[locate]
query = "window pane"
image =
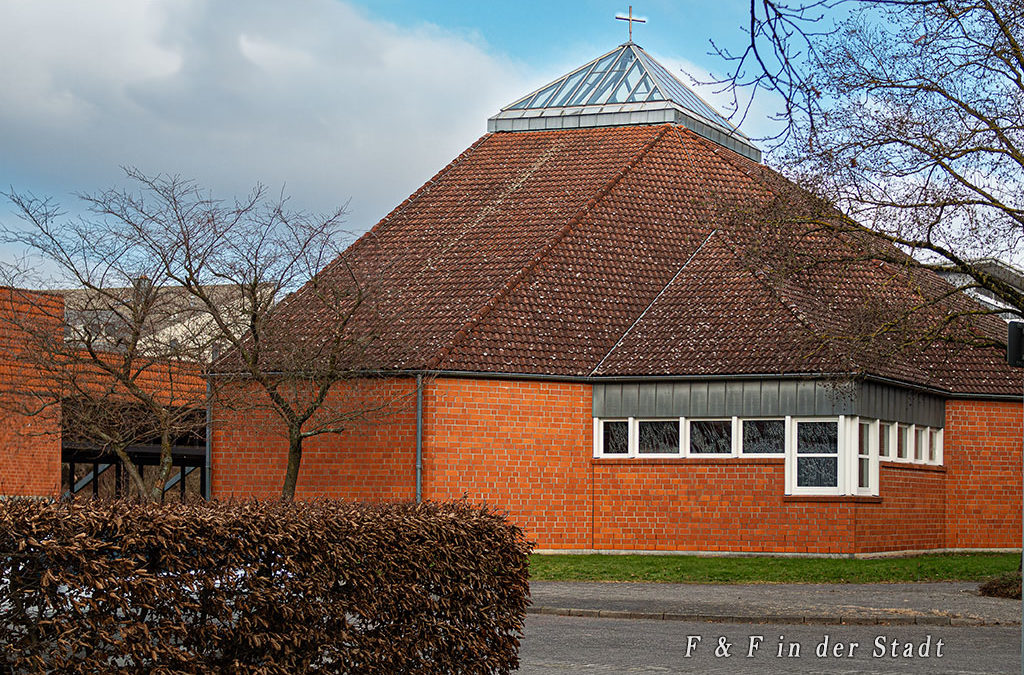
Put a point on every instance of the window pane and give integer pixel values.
(863, 472)
(626, 86)
(817, 438)
(642, 90)
(711, 437)
(656, 95)
(615, 74)
(616, 438)
(570, 86)
(933, 441)
(659, 437)
(817, 471)
(864, 439)
(922, 441)
(764, 436)
(883, 439)
(902, 440)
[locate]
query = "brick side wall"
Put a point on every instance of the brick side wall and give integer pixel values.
(30, 454)
(911, 515)
(374, 459)
(522, 446)
(527, 447)
(734, 504)
(29, 444)
(982, 450)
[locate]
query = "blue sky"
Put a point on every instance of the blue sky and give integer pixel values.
(353, 103)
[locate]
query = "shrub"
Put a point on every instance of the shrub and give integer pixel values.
(259, 587)
(1004, 586)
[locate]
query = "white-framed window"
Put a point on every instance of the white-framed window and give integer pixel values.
(658, 437)
(761, 437)
(823, 455)
(903, 441)
(612, 437)
(921, 438)
(935, 446)
(867, 442)
(885, 439)
(813, 465)
(710, 437)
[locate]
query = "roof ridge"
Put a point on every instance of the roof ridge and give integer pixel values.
(683, 146)
(415, 196)
(507, 192)
(730, 156)
(560, 236)
(655, 75)
(791, 306)
(660, 293)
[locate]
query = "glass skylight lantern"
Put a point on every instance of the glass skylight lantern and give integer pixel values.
(624, 87)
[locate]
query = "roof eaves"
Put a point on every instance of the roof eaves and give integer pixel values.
(560, 236)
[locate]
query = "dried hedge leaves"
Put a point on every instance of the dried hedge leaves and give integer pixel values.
(259, 587)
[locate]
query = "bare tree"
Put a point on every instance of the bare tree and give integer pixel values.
(289, 354)
(96, 355)
(906, 115)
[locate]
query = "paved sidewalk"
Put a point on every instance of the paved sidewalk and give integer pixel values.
(954, 603)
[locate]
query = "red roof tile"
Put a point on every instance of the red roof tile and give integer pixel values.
(630, 251)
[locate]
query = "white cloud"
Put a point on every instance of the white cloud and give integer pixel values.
(311, 94)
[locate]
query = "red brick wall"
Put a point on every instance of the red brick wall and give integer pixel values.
(726, 504)
(911, 514)
(738, 504)
(29, 444)
(373, 459)
(982, 451)
(527, 447)
(522, 446)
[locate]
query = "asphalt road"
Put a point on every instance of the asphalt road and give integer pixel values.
(564, 644)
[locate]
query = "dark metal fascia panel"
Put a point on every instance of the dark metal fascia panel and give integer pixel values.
(767, 398)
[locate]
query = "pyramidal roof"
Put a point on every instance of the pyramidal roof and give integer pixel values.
(628, 252)
(623, 87)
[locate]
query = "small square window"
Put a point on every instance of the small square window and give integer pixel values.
(817, 472)
(817, 438)
(711, 437)
(616, 438)
(766, 437)
(659, 437)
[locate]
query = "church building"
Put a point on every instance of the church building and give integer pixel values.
(610, 320)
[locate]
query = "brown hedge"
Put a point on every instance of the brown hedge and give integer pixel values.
(318, 587)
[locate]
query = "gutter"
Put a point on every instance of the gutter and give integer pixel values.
(609, 379)
(419, 438)
(207, 462)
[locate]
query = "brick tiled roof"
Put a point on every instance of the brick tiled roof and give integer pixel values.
(636, 251)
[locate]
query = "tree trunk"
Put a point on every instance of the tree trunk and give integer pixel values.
(156, 492)
(133, 471)
(291, 476)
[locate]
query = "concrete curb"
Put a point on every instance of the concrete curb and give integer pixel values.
(832, 619)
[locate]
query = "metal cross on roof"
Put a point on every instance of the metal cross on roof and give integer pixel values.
(631, 21)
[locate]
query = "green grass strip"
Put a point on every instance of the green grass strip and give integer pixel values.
(700, 570)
